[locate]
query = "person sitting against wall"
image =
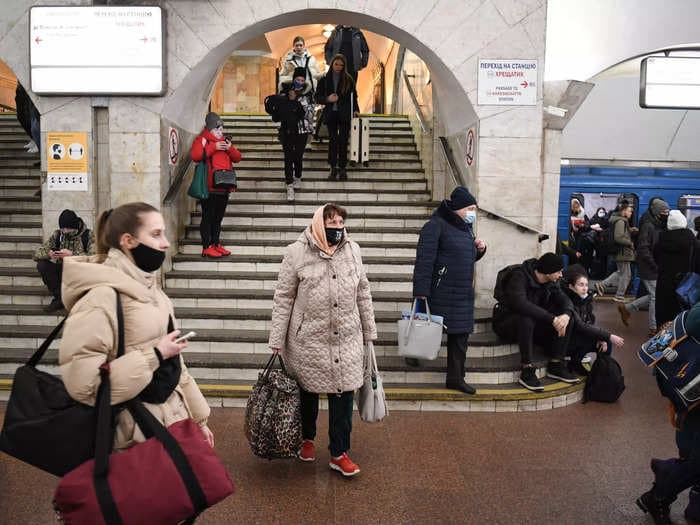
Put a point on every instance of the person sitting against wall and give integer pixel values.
(337, 91)
(625, 254)
(295, 112)
(219, 153)
(71, 238)
(587, 337)
(533, 309)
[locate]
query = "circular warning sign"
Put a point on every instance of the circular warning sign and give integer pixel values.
(76, 151)
(469, 150)
(58, 151)
(173, 146)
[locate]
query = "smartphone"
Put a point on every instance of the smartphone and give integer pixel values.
(185, 337)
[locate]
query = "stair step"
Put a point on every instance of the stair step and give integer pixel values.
(233, 235)
(314, 198)
(402, 149)
(17, 258)
(361, 176)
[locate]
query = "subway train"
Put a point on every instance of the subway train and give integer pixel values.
(597, 186)
(604, 186)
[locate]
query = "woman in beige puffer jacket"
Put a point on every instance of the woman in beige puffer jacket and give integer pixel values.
(321, 317)
(90, 333)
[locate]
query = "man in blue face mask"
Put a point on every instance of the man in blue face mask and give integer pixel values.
(444, 275)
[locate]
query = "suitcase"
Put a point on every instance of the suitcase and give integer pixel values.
(359, 141)
(675, 358)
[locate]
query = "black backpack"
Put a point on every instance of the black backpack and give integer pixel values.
(499, 291)
(272, 106)
(605, 383)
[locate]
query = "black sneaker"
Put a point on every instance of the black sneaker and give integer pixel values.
(659, 509)
(343, 174)
(528, 378)
(54, 306)
(558, 370)
(333, 175)
(412, 361)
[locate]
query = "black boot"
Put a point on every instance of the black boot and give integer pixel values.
(343, 174)
(658, 508)
(462, 386)
(412, 361)
(54, 306)
(333, 174)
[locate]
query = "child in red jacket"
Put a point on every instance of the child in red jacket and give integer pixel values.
(220, 154)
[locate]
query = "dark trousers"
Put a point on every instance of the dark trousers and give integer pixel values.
(213, 211)
(527, 331)
(293, 146)
(51, 275)
(339, 419)
(338, 136)
(456, 357)
(685, 473)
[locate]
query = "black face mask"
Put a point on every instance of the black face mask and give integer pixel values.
(334, 236)
(147, 258)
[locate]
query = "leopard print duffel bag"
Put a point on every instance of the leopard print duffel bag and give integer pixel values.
(273, 414)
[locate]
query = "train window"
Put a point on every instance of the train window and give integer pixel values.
(592, 202)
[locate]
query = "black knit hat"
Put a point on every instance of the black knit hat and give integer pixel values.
(68, 219)
(212, 120)
(549, 263)
(299, 72)
(460, 198)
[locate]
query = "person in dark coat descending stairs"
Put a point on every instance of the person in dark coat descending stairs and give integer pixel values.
(444, 274)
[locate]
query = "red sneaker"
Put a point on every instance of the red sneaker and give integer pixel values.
(344, 465)
(307, 451)
(220, 248)
(211, 252)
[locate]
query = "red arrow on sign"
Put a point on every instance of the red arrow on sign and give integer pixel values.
(37, 40)
(524, 84)
(144, 39)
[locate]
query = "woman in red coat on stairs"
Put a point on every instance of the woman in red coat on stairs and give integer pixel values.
(220, 154)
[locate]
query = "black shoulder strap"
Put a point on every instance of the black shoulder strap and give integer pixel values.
(85, 237)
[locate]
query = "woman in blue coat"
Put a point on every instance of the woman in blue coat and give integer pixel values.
(444, 275)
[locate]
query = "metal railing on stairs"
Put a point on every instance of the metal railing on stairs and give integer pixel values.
(459, 180)
(425, 126)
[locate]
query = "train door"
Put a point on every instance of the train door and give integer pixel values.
(690, 207)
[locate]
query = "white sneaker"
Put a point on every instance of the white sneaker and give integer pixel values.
(297, 183)
(290, 192)
(28, 144)
(33, 148)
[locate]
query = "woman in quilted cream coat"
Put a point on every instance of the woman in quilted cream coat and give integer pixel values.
(321, 318)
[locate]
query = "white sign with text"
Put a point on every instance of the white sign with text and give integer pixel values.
(507, 82)
(96, 50)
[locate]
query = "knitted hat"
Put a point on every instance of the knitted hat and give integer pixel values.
(549, 263)
(676, 220)
(68, 219)
(213, 120)
(658, 207)
(460, 198)
(299, 72)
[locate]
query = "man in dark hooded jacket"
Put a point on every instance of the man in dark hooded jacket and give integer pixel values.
(532, 308)
(651, 224)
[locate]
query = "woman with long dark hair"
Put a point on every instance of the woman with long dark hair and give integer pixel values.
(337, 91)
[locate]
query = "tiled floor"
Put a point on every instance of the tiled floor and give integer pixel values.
(583, 464)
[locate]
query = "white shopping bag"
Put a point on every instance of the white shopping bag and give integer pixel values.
(371, 402)
(420, 337)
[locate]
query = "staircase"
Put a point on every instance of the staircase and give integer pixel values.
(228, 301)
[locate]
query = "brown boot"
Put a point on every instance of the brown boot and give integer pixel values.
(624, 314)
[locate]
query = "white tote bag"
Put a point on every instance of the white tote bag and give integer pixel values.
(371, 401)
(420, 338)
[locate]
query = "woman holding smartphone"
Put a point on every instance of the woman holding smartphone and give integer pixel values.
(131, 247)
(337, 91)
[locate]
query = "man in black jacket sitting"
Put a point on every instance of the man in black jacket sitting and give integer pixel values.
(532, 308)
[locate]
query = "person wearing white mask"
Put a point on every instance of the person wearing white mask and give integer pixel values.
(299, 56)
(444, 276)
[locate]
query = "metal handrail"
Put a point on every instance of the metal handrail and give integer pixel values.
(458, 178)
(176, 184)
(419, 111)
